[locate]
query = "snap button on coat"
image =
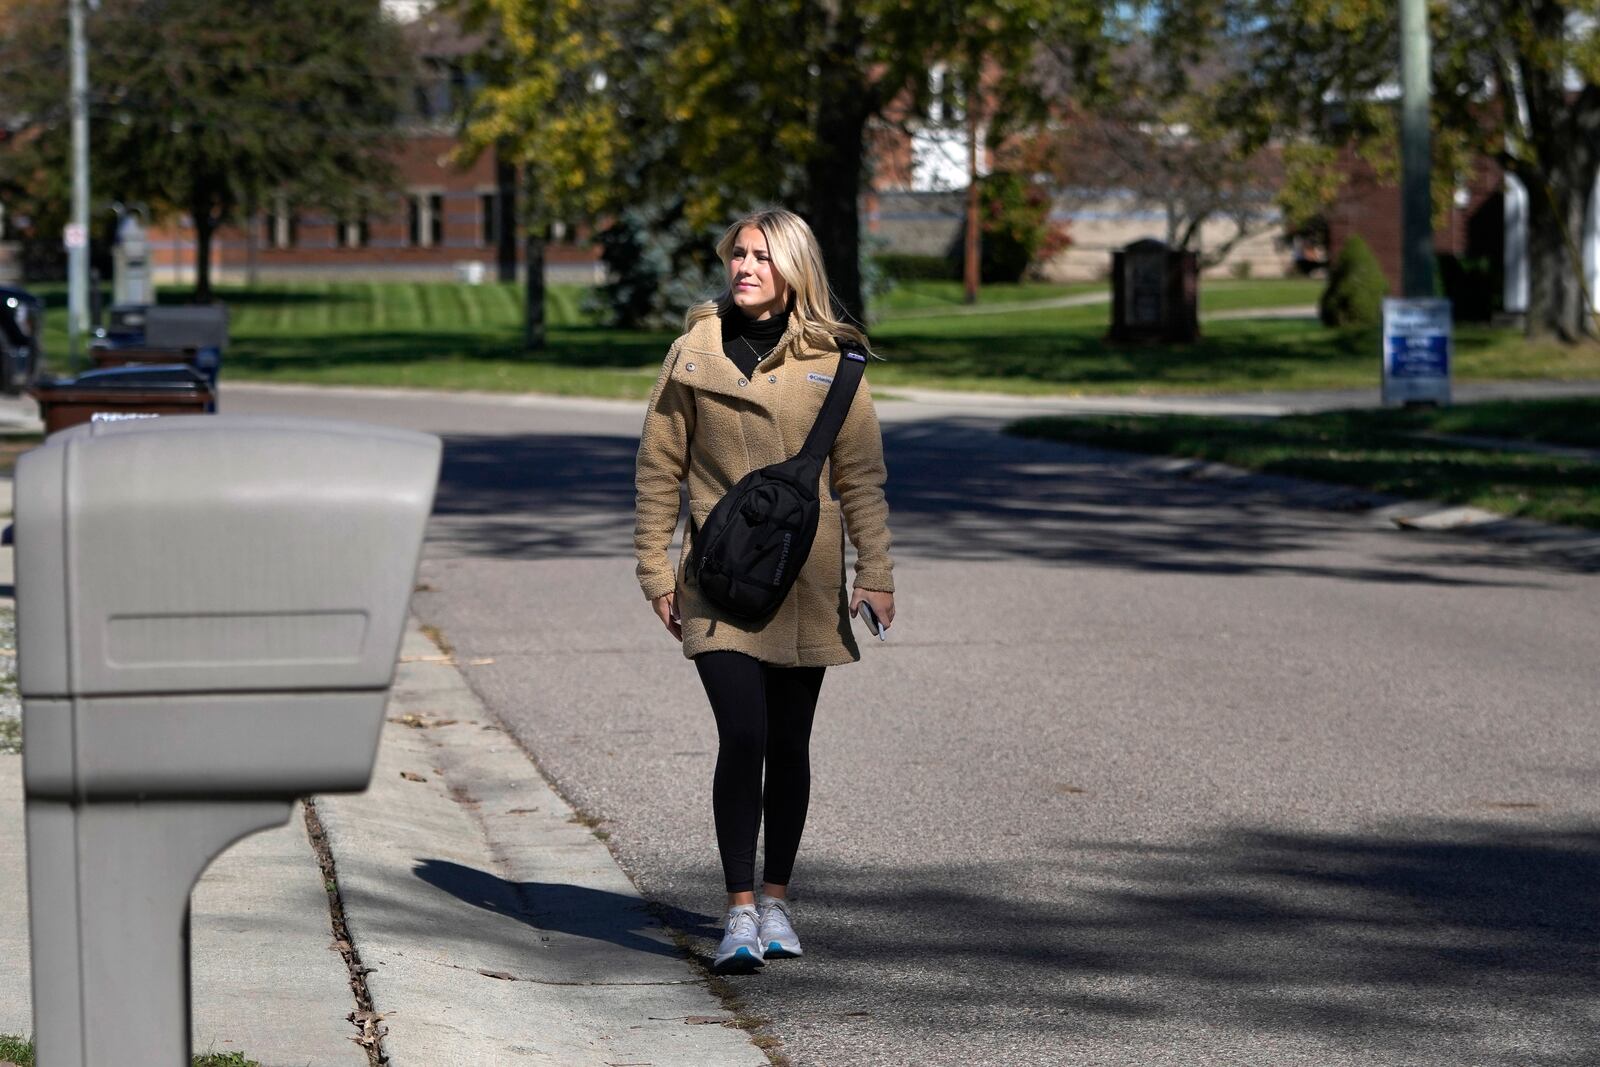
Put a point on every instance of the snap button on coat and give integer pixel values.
(708, 431)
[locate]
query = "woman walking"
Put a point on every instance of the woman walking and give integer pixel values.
(738, 391)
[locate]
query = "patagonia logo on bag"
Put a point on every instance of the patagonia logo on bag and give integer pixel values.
(825, 379)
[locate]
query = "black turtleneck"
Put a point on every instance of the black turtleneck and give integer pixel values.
(747, 341)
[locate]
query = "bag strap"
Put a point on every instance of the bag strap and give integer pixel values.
(836, 405)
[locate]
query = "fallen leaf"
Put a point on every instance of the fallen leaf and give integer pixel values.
(501, 975)
(704, 1020)
(1064, 787)
(522, 811)
(435, 658)
(484, 662)
(858, 1015)
(412, 776)
(420, 722)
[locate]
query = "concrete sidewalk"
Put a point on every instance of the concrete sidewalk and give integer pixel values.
(488, 924)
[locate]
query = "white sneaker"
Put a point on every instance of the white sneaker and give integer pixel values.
(740, 950)
(778, 939)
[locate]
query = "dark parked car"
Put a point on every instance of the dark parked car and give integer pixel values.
(21, 339)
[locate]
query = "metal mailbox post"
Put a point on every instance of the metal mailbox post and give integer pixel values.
(209, 612)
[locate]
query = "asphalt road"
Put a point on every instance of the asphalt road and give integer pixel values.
(1150, 771)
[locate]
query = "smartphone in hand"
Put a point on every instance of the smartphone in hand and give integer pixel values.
(871, 619)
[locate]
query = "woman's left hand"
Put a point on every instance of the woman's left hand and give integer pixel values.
(882, 604)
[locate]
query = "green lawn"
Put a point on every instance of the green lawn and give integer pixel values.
(450, 336)
(919, 299)
(1378, 450)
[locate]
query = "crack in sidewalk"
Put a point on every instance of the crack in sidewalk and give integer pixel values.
(367, 1020)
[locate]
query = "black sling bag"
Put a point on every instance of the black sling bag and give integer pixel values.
(751, 547)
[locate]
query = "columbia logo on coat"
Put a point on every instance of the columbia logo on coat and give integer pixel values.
(824, 379)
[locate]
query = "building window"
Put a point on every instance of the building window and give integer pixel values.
(425, 220)
(355, 233)
(947, 106)
(281, 225)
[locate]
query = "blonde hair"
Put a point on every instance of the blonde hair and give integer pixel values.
(795, 256)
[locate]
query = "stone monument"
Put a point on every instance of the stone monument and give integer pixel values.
(1154, 294)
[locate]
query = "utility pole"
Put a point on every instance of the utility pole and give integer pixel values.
(1416, 198)
(77, 235)
(972, 255)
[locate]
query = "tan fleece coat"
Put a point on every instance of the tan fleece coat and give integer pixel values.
(708, 426)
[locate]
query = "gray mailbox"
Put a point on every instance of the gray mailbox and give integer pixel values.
(209, 612)
(186, 326)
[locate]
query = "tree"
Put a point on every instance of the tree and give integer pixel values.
(1516, 80)
(209, 109)
(1173, 160)
(721, 104)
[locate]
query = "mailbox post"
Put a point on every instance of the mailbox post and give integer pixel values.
(209, 611)
(130, 263)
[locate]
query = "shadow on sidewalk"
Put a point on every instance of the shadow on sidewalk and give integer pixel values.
(566, 909)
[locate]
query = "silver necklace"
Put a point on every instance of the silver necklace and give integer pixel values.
(760, 355)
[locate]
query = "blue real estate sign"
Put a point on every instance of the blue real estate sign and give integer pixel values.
(1416, 351)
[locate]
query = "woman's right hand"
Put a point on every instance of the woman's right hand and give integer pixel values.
(667, 611)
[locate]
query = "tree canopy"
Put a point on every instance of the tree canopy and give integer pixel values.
(1517, 81)
(713, 106)
(210, 109)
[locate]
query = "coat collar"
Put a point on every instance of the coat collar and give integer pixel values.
(705, 341)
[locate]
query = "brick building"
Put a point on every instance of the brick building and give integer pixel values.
(446, 222)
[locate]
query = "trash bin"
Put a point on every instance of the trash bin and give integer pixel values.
(123, 392)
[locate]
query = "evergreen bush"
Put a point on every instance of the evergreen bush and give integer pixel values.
(1356, 287)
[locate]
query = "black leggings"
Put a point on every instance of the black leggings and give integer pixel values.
(763, 714)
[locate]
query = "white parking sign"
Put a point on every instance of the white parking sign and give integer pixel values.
(75, 236)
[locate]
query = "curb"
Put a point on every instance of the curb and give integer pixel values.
(491, 921)
(1567, 546)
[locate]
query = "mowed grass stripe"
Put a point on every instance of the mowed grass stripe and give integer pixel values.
(463, 305)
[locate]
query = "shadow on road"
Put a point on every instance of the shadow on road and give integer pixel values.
(957, 490)
(1447, 942)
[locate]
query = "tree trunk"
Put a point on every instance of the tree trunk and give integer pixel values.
(204, 228)
(833, 187)
(505, 225)
(533, 307)
(252, 245)
(1555, 263)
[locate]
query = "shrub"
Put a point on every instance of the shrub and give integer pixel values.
(907, 267)
(1014, 219)
(656, 266)
(1356, 288)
